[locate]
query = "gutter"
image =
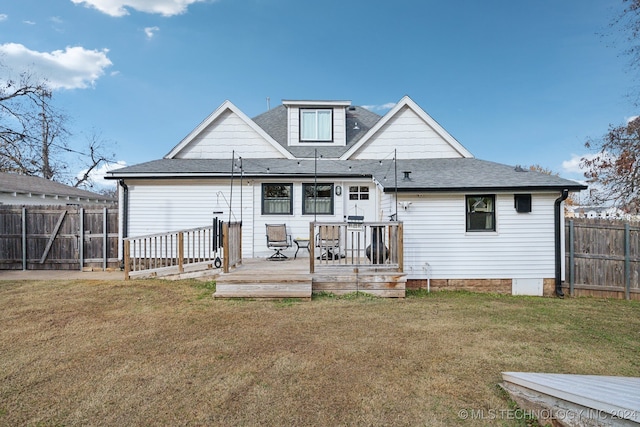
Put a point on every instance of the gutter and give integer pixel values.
(558, 236)
(125, 216)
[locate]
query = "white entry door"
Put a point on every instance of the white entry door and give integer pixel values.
(361, 201)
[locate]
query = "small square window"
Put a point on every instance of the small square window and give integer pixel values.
(358, 192)
(481, 213)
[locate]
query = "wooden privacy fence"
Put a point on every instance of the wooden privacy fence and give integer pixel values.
(58, 238)
(603, 258)
(182, 251)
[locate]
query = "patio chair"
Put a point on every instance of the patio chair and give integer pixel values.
(278, 240)
(328, 240)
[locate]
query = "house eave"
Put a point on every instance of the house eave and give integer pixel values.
(484, 189)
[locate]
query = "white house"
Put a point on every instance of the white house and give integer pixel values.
(468, 223)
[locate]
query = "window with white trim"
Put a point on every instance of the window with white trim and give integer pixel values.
(316, 124)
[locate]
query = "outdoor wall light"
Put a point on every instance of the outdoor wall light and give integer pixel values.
(338, 190)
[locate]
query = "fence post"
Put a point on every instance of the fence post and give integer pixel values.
(181, 252)
(24, 238)
(627, 262)
(81, 242)
(572, 264)
(127, 260)
(105, 233)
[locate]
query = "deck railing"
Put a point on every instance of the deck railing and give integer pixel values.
(173, 252)
(356, 244)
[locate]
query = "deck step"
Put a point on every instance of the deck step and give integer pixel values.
(263, 290)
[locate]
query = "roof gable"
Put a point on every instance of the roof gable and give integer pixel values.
(228, 129)
(410, 131)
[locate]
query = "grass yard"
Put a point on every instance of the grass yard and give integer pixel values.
(165, 353)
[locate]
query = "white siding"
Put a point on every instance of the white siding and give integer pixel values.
(227, 134)
(158, 206)
(297, 224)
(437, 245)
(411, 136)
(339, 127)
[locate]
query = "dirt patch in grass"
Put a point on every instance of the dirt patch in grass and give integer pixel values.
(165, 353)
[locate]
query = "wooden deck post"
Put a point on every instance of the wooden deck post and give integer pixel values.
(127, 259)
(400, 247)
(226, 250)
(311, 248)
(181, 252)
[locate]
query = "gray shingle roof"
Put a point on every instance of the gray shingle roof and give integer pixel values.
(425, 175)
(16, 183)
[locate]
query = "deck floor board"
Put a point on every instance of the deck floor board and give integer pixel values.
(617, 396)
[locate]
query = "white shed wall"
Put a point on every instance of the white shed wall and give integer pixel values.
(228, 134)
(410, 136)
(437, 245)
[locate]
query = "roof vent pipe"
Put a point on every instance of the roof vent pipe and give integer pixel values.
(407, 176)
(558, 229)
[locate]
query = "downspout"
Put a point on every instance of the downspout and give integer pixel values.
(558, 236)
(125, 217)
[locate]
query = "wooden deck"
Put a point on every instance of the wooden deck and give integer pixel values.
(260, 278)
(576, 400)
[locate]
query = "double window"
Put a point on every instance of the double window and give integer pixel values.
(481, 213)
(316, 125)
(277, 199)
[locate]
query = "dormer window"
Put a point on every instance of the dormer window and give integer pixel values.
(316, 124)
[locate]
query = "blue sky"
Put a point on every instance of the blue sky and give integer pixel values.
(516, 82)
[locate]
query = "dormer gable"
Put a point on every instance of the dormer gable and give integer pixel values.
(316, 123)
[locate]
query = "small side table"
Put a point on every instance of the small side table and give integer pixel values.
(301, 244)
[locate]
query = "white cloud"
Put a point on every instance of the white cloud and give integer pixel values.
(72, 68)
(29, 22)
(573, 165)
(119, 7)
(96, 177)
(3, 16)
(630, 119)
(151, 31)
(387, 106)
